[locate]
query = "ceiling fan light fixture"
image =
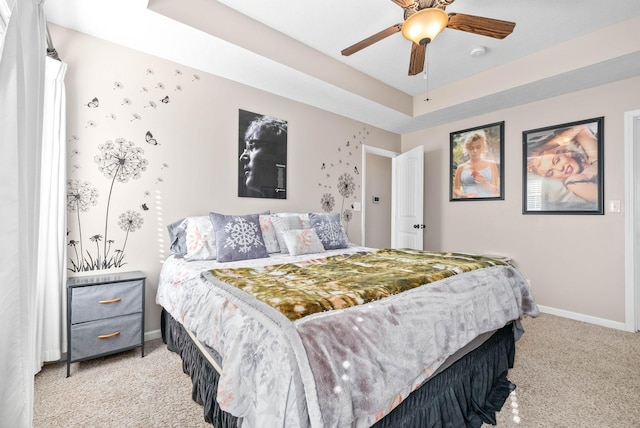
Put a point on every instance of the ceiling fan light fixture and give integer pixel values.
(423, 26)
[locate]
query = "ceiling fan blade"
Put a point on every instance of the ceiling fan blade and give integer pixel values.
(371, 40)
(403, 3)
(479, 25)
(416, 62)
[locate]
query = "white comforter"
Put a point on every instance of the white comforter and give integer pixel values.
(267, 377)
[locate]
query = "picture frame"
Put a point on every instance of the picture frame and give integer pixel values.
(262, 156)
(563, 168)
(477, 163)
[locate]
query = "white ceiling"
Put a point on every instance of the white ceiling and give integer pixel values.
(328, 26)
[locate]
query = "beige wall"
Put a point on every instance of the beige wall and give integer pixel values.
(377, 230)
(575, 262)
(192, 168)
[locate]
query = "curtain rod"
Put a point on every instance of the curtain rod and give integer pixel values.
(51, 50)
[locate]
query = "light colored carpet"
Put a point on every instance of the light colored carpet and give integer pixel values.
(568, 374)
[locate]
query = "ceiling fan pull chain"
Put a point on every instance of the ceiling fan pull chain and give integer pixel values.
(426, 75)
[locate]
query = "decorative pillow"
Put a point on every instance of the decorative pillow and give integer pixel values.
(302, 241)
(238, 237)
(200, 239)
(304, 219)
(329, 230)
(269, 234)
(178, 237)
(282, 223)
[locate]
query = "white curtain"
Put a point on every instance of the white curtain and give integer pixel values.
(21, 105)
(51, 274)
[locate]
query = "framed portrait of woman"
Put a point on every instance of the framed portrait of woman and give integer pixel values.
(563, 168)
(477, 171)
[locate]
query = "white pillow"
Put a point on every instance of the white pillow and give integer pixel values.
(269, 234)
(283, 223)
(302, 241)
(200, 239)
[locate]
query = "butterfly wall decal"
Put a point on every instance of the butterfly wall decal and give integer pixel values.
(93, 103)
(149, 139)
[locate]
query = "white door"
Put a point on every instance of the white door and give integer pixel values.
(407, 172)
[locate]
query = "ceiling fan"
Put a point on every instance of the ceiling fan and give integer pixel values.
(424, 19)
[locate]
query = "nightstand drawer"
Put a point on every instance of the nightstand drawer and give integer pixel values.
(94, 338)
(105, 301)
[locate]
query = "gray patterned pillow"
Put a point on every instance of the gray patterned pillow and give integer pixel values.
(238, 237)
(329, 230)
(283, 223)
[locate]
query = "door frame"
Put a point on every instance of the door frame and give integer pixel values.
(632, 219)
(374, 151)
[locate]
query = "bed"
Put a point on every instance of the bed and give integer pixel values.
(326, 333)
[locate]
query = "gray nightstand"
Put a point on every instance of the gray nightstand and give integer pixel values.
(105, 315)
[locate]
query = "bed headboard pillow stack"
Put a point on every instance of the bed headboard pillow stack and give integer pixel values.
(217, 236)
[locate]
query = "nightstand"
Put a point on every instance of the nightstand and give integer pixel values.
(105, 315)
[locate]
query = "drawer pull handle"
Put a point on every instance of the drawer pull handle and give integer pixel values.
(108, 336)
(104, 302)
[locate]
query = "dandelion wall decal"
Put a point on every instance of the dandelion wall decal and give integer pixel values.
(80, 197)
(129, 221)
(135, 117)
(348, 174)
(327, 202)
(119, 161)
(346, 185)
(126, 102)
(90, 124)
(117, 85)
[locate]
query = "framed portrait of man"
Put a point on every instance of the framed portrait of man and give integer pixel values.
(262, 156)
(563, 168)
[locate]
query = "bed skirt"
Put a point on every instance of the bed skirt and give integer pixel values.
(467, 394)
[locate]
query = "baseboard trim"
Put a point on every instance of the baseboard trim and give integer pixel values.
(584, 318)
(151, 335)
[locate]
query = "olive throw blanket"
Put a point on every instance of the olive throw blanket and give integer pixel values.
(338, 282)
(355, 334)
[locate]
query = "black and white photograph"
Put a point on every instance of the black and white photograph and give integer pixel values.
(262, 156)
